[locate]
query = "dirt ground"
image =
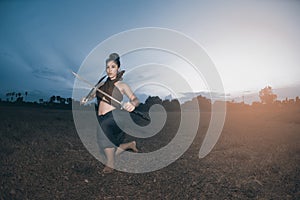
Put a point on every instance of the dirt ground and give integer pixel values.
(256, 157)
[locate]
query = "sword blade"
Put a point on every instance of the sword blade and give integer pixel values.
(107, 95)
(92, 86)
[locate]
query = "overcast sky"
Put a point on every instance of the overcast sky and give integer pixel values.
(252, 43)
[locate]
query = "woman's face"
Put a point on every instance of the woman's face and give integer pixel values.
(112, 70)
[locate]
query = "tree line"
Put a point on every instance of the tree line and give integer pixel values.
(266, 95)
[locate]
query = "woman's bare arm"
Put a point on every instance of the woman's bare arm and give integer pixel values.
(91, 95)
(128, 92)
(133, 100)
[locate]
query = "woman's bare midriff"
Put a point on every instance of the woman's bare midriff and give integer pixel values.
(104, 108)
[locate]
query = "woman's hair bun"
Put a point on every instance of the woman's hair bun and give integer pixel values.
(114, 57)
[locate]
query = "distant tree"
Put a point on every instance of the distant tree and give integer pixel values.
(19, 99)
(175, 105)
(41, 100)
(267, 96)
(26, 93)
(285, 101)
(149, 102)
(58, 98)
(256, 104)
(291, 101)
(62, 100)
(69, 100)
(297, 99)
(8, 95)
(52, 99)
(153, 100)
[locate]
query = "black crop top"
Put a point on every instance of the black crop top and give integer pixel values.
(110, 88)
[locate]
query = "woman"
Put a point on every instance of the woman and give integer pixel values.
(112, 141)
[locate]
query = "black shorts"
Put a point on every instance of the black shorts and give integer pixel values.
(110, 135)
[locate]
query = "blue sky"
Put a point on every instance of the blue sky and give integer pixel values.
(252, 43)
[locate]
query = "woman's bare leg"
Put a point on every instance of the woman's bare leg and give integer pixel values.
(110, 153)
(125, 146)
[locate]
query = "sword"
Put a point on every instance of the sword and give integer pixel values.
(92, 92)
(109, 96)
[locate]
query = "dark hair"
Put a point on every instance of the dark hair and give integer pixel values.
(113, 57)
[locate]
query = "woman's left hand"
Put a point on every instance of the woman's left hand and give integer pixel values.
(129, 107)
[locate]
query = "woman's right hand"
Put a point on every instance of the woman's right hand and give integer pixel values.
(83, 101)
(128, 106)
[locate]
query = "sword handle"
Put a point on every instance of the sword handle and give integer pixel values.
(142, 115)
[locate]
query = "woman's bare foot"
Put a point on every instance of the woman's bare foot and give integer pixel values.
(107, 170)
(133, 147)
(126, 146)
